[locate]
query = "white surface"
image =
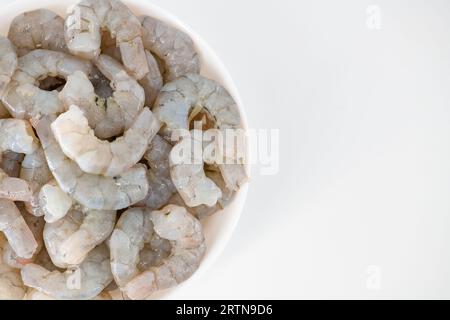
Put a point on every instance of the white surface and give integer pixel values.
(365, 153)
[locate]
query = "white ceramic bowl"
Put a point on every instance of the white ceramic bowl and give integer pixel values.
(218, 228)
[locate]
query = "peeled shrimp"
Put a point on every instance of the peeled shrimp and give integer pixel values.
(203, 211)
(8, 63)
(11, 163)
(36, 225)
(78, 142)
(172, 46)
(14, 189)
(16, 230)
(190, 94)
(70, 239)
(17, 135)
(105, 117)
(43, 260)
(24, 99)
(54, 202)
(84, 282)
(152, 82)
(160, 183)
(188, 174)
(11, 285)
(193, 92)
(128, 94)
(37, 29)
(227, 154)
(135, 228)
(92, 191)
(36, 171)
(83, 32)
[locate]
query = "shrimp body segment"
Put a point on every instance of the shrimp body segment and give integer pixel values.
(106, 118)
(191, 94)
(24, 99)
(128, 94)
(172, 46)
(90, 190)
(37, 29)
(54, 202)
(161, 187)
(83, 31)
(14, 189)
(11, 285)
(79, 143)
(70, 239)
(17, 135)
(137, 227)
(8, 63)
(36, 171)
(94, 274)
(189, 176)
(16, 230)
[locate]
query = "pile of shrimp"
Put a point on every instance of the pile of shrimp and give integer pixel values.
(93, 201)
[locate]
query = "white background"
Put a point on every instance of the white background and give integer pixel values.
(364, 120)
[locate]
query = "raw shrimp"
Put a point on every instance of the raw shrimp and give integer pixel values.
(36, 171)
(11, 163)
(84, 282)
(135, 228)
(78, 142)
(203, 211)
(188, 174)
(83, 30)
(36, 225)
(104, 116)
(92, 191)
(17, 135)
(192, 93)
(181, 100)
(70, 239)
(54, 202)
(152, 82)
(37, 29)
(160, 183)
(11, 285)
(14, 189)
(227, 154)
(24, 99)
(8, 63)
(34, 168)
(43, 260)
(128, 94)
(172, 46)
(16, 230)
